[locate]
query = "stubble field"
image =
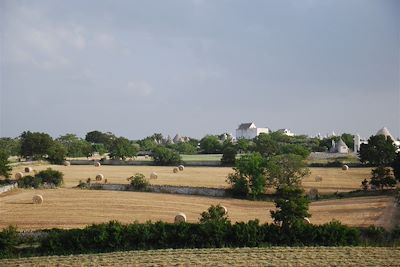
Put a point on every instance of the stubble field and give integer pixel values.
(333, 179)
(273, 256)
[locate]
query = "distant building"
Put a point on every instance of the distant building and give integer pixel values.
(286, 132)
(339, 147)
(384, 131)
(249, 131)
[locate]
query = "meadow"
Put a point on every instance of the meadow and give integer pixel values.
(333, 179)
(272, 256)
(76, 208)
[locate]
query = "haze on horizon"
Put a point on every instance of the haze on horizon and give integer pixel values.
(197, 67)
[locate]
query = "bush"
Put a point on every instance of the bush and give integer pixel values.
(29, 181)
(51, 176)
(8, 240)
(165, 157)
(138, 181)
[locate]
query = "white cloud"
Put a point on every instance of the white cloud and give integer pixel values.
(141, 88)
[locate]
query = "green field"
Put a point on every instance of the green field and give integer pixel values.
(273, 256)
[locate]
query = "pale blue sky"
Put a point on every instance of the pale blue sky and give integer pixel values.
(198, 67)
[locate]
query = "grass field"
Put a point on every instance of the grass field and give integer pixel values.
(274, 256)
(333, 179)
(70, 208)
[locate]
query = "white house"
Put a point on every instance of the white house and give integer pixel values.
(339, 147)
(286, 132)
(249, 131)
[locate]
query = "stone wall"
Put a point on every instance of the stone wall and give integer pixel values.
(9, 187)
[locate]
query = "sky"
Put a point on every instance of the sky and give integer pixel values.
(198, 67)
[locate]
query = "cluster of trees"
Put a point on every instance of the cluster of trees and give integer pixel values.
(48, 176)
(380, 152)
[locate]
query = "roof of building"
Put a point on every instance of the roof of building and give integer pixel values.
(384, 131)
(245, 126)
(341, 143)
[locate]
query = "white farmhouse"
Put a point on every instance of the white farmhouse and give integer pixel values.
(286, 132)
(249, 131)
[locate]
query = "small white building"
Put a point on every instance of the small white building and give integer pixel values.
(339, 147)
(249, 131)
(286, 132)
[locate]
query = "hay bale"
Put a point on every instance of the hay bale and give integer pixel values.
(345, 167)
(175, 170)
(318, 178)
(181, 167)
(153, 175)
(99, 177)
(307, 220)
(313, 193)
(97, 164)
(225, 209)
(37, 199)
(28, 169)
(67, 163)
(19, 175)
(180, 217)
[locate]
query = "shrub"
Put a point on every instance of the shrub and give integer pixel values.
(138, 181)
(165, 157)
(51, 176)
(8, 240)
(29, 181)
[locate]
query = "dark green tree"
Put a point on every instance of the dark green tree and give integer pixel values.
(5, 168)
(122, 148)
(138, 181)
(164, 156)
(382, 178)
(249, 177)
(266, 145)
(396, 166)
(184, 148)
(291, 206)
(76, 147)
(379, 151)
(210, 144)
(214, 214)
(97, 137)
(35, 145)
(300, 150)
(56, 153)
(229, 153)
(287, 169)
(11, 146)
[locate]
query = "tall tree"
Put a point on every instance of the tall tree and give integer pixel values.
(35, 145)
(210, 144)
(380, 151)
(5, 168)
(122, 148)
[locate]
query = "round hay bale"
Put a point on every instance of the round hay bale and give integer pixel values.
(225, 209)
(313, 193)
(175, 170)
(318, 178)
(19, 175)
(307, 220)
(37, 199)
(67, 163)
(181, 167)
(345, 167)
(99, 177)
(97, 164)
(153, 175)
(28, 169)
(180, 217)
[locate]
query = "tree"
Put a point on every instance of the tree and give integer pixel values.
(287, 169)
(11, 146)
(381, 178)
(214, 214)
(348, 139)
(138, 181)
(164, 156)
(396, 167)
(5, 168)
(97, 137)
(56, 153)
(210, 144)
(244, 145)
(184, 148)
(266, 145)
(291, 206)
(300, 150)
(229, 153)
(35, 145)
(379, 151)
(122, 148)
(249, 177)
(76, 147)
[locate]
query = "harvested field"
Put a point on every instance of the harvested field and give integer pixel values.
(274, 256)
(71, 208)
(334, 179)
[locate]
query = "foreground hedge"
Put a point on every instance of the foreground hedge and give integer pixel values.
(114, 236)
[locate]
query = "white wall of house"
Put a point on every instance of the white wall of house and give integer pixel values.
(250, 133)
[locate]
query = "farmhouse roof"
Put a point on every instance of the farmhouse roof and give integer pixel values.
(245, 126)
(384, 131)
(340, 143)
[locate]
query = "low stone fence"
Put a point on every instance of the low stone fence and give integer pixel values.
(9, 187)
(142, 163)
(169, 189)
